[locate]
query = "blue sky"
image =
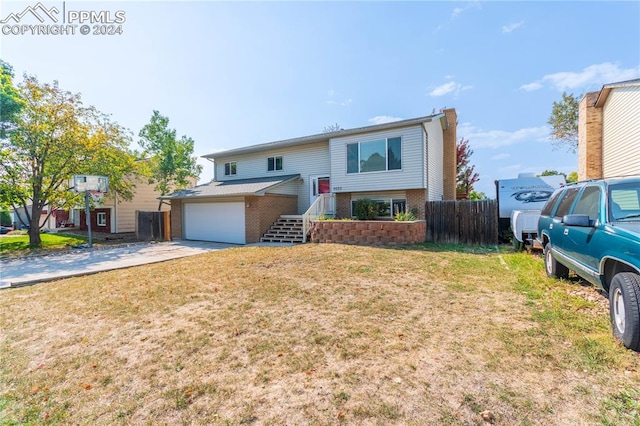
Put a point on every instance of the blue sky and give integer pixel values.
(234, 74)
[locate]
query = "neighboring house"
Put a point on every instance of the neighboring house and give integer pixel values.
(401, 165)
(115, 215)
(20, 218)
(609, 131)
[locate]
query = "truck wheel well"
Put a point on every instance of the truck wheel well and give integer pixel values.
(613, 267)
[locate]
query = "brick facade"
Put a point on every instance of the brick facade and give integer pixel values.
(261, 212)
(449, 157)
(343, 205)
(417, 198)
(589, 138)
(373, 232)
(176, 219)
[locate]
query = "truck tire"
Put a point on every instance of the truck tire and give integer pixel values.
(624, 308)
(551, 265)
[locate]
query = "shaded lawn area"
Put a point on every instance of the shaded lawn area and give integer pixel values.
(316, 334)
(19, 244)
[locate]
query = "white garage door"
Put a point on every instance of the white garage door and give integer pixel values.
(221, 222)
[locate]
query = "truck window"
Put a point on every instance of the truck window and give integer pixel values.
(546, 210)
(588, 203)
(566, 201)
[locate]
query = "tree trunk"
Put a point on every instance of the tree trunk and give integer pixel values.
(34, 231)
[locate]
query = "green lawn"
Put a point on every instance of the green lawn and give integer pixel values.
(19, 244)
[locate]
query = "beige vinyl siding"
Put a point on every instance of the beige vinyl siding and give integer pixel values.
(435, 172)
(307, 160)
(411, 176)
(621, 132)
(289, 188)
(123, 212)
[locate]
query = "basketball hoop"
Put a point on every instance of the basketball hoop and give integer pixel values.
(92, 186)
(97, 196)
(91, 183)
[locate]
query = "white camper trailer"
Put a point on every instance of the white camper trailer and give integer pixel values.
(520, 202)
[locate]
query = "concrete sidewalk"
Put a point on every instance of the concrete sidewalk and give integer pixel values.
(30, 270)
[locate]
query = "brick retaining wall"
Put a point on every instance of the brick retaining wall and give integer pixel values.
(368, 232)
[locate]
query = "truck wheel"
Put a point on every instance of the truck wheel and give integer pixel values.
(553, 268)
(624, 308)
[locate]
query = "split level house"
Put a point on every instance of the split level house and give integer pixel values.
(609, 131)
(400, 165)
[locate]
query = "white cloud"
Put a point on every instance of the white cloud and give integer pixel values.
(457, 11)
(531, 86)
(590, 77)
(512, 27)
(446, 88)
(381, 119)
(503, 156)
(479, 138)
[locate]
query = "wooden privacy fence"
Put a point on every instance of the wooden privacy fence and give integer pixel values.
(153, 226)
(462, 222)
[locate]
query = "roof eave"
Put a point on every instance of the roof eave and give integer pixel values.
(323, 136)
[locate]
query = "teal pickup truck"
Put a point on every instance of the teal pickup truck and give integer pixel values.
(593, 229)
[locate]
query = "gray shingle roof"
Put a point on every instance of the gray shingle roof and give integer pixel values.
(232, 188)
(323, 136)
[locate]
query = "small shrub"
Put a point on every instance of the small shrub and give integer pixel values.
(365, 209)
(404, 217)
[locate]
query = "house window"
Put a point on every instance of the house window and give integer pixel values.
(230, 168)
(387, 208)
(274, 163)
(374, 156)
(101, 219)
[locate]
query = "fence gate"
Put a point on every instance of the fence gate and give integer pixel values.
(462, 222)
(152, 226)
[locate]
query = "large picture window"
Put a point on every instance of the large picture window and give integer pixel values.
(374, 156)
(386, 208)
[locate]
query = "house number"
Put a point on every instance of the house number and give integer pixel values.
(337, 188)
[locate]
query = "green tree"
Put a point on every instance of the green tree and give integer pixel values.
(10, 100)
(551, 173)
(466, 176)
(56, 137)
(170, 160)
(572, 177)
(564, 123)
(473, 195)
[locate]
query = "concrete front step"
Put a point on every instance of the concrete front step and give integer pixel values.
(281, 240)
(287, 229)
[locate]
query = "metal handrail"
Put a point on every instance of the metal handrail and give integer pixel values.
(323, 205)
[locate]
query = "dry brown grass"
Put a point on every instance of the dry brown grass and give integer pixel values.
(315, 334)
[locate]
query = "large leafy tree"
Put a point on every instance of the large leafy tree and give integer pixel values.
(10, 100)
(466, 176)
(564, 123)
(54, 137)
(170, 161)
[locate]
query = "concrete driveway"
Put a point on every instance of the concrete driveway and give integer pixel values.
(34, 269)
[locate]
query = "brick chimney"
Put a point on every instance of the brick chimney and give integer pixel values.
(449, 156)
(589, 138)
